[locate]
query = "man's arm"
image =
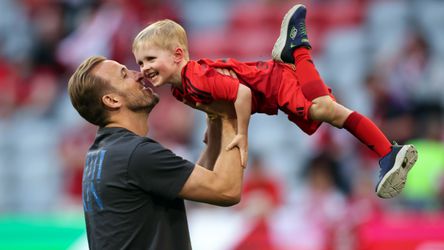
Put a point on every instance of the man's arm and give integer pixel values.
(223, 185)
(215, 111)
(212, 141)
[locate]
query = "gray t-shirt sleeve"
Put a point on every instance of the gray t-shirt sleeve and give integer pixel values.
(158, 170)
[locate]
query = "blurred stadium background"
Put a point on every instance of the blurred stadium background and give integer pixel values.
(382, 58)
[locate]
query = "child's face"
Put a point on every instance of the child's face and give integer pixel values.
(157, 65)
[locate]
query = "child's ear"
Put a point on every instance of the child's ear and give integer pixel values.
(179, 54)
(111, 101)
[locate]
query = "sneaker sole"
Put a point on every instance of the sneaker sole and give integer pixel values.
(282, 39)
(394, 181)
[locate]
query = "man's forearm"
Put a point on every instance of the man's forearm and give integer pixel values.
(213, 143)
(228, 165)
(222, 186)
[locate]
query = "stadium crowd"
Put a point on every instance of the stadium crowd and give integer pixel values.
(383, 58)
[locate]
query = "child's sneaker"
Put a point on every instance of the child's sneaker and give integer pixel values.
(394, 169)
(293, 35)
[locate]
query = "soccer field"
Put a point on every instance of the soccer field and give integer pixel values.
(42, 232)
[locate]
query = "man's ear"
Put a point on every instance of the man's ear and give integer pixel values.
(179, 54)
(112, 101)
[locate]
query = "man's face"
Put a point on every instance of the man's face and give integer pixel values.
(129, 84)
(157, 65)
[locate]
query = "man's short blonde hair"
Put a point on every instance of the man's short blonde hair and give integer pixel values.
(164, 34)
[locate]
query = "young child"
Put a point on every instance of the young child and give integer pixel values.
(290, 83)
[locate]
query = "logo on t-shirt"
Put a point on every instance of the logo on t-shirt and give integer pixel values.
(91, 177)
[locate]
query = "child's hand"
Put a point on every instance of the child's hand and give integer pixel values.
(240, 141)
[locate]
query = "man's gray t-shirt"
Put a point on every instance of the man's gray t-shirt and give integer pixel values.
(129, 191)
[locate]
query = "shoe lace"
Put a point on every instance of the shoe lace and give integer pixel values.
(302, 28)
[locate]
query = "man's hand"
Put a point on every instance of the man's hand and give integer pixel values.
(221, 109)
(240, 141)
(227, 72)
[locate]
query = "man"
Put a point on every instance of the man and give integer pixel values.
(133, 188)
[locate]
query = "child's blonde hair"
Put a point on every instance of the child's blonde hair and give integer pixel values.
(164, 34)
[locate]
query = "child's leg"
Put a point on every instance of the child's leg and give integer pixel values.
(396, 160)
(292, 46)
(325, 109)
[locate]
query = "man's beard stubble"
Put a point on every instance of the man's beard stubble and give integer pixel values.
(141, 106)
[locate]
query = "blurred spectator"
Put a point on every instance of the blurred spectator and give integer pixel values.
(314, 211)
(8, 105)
(136, 15)
(74, 144)
(412, 75)
(407, 72)
(34, 134)
(425, 189)
(376, 86)
(363, 207)
(332, 204)
(9, 81)
(98, 28)
(109, 27)
(48, 26)
(262, 196)
(15, 33)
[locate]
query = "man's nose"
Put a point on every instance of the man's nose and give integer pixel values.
(138, 76)
(144, 69)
